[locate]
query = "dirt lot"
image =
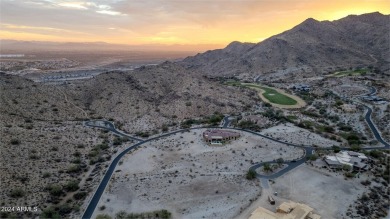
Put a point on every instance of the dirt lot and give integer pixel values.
(190, 178)
(328, 193)
(292, 134)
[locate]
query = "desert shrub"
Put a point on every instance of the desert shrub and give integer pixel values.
(215, 119)
(336, 149)
(249, 125)
(353, 139)
(375, 154)
(16, 193)
(322, 111)
(93, 153)
(364, 197)
(280, 161)
(76, 168)
(160, 214)
(328, 129)
(77, 154)
(55, 190)
(76, 161)
(188, 123)
(339, 103)
(34, 157)
(142, 134)
(164, 128)
(346, 167)
(267, 167)
(80, 195)
(251, 174)
(49, 213)
(345, 128)
(72, 186)
(164, 214)
(267, 104)
(313, 157)
(22, 179)
(366, 182)
(117, 141)
(103, 146)
(64, 209)
(103, 216)
(355, 148)
(15, 141)
(349, 174)
(121, 215)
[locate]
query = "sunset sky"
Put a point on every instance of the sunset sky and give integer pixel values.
(188, 22)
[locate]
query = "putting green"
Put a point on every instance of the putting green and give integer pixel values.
(274, 96)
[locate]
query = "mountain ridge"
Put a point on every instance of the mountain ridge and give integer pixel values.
(353, 41)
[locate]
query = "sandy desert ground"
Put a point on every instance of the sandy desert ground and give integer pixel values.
(190, 178)
(328, 193)
(292, 134)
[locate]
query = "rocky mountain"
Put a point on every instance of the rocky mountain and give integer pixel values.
(313, 45)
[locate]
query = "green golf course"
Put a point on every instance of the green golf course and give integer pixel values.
(272, 95)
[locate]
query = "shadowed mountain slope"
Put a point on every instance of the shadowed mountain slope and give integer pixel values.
(352, 41)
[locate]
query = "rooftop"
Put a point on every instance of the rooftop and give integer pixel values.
(218, 133)
(349, 158)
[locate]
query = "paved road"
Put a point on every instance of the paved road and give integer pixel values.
(111, 127)
(374, 130)
(291, 164)
(226, 121)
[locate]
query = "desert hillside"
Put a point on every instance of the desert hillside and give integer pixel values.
(152, 96)
(352, 41)
(42, 126)
(165, 91)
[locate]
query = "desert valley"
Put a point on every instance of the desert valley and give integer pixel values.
(299, 121)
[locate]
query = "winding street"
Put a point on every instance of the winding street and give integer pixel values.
(290, 164)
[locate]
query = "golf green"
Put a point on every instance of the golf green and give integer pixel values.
(274, 96)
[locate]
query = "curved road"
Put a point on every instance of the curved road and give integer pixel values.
(374, 130)
(109, 126)
(291, 164)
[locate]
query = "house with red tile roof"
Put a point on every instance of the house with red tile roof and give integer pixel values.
(219, 136)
